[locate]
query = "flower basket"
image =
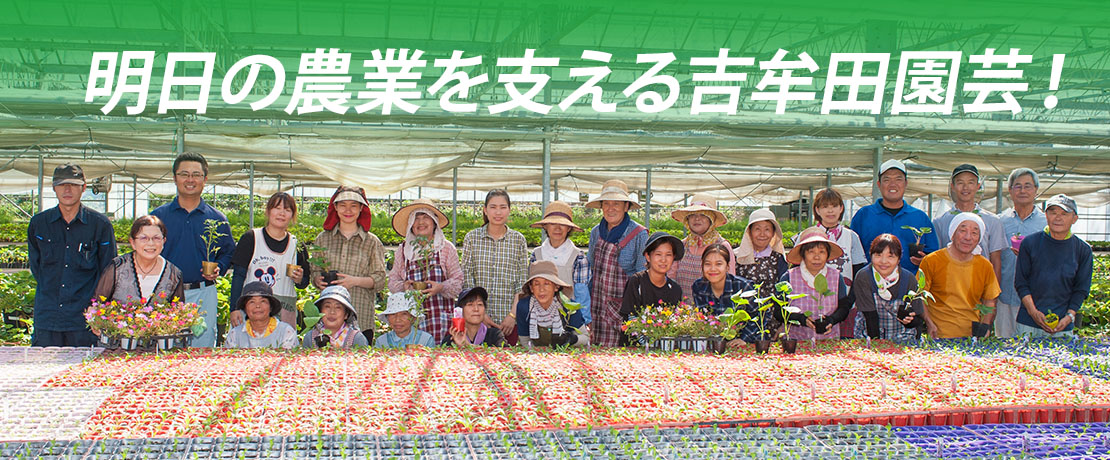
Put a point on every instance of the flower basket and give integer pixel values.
(689, 344)
(171, 342)
(144, 324)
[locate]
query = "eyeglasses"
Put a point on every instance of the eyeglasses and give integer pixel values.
(185, 175)
(150, 239)
(1023, 187)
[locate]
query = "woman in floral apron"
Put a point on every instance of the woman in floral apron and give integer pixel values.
(426, 261)
(615, 252)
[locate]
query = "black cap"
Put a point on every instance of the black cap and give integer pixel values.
(658, 238)
(69, 174)
(258, 289)
(965, 168)
(466, 294)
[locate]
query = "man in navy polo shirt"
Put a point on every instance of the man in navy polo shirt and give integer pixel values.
(891, 213)
(67, 248)
(184, 218)
(1053, 275)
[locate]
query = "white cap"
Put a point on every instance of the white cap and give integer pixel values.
(889, 164)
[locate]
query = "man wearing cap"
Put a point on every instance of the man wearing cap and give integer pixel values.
(185, 219)
(353, 251)
(1053, 276)
(701, 220)
(616, 253)
(891, 213)
(962, 188)
(68, 247)
(960, 280)
(1017, 222)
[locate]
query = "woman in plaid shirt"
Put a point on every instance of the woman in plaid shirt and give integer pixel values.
(495, 257)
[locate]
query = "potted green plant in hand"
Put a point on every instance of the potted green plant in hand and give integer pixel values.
(917, 247)
(211, 238)
(979, 329)
(914, 295)
(423, 253)
(317, 255)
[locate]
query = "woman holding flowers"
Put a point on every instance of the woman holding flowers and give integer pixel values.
(652, 286)
(427, 262)
(142, 273)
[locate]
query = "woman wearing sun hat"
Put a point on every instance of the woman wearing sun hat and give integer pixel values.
(616, 253)
(338, 324)
(560, 250)
(353, 251)
(701, 219)
(541, 318)
(261, 329)
(402, 314)
(761, 258)
(428, 261)
(823, 285)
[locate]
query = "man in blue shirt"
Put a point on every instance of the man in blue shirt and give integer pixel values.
(891, 213)
(1053, 276)
(184, 218)
(1022, 220)
(67, 248)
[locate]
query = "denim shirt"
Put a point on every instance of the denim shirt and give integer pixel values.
(1013, 225)
(66, 259)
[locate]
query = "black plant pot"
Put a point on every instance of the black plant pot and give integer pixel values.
(762, 346)
(916, 248)
(979, 329)
(330, 276)
(719, 345)
(789, 346)
(904, 310)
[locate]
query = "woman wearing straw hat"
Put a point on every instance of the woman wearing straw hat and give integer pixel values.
(701, 220)
(616, 253)
(427, 262)
(761, 258)
(823, 285)
(356, 254)
(559, 249)
(541, 318)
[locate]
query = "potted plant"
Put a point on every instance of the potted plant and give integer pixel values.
(1015, 241)
(764, 307)
(731, 320)
(159, 323)
(918, 233)
(211, 238)
(317, 255)
(782, 297)
(919, 294)
(423, 254)
(979, 329)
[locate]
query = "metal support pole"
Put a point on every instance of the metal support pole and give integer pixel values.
(134, 197)
(555, 189)
(876, 162)
(419, 191)
(810, 210)
(279, 183)
(930, 205)
(180, 134)
(828, 178)
(647, 201)
(454, 205)
(250, 199)
(41, 172)
(998, 197)
(546, 169)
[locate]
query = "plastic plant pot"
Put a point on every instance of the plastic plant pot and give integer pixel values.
(762, 346)
(789, 346)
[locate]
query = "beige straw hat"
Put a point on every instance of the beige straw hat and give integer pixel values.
(701, 202)
(557, 212)
(613, 190)
(401, 218)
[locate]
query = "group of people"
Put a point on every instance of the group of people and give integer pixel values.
(497, 293)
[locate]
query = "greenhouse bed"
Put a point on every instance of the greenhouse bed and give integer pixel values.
(815, 442)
